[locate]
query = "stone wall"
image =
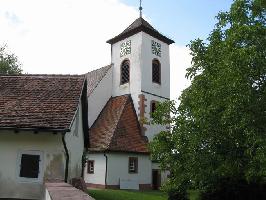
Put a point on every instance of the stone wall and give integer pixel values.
(60, 191)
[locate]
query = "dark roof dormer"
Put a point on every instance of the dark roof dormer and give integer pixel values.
(137, 26)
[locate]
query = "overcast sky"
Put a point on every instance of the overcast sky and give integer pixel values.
(69, 36)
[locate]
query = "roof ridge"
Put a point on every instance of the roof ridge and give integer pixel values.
(41, 75)
(94, 77)
(118, 119)
(110, 65)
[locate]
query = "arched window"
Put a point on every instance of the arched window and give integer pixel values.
(125, 74)
(156, 71)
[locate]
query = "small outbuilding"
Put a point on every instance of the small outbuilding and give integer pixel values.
(43, 119)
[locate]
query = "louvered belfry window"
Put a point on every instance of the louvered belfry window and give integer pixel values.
(125, 73)
(156, 71)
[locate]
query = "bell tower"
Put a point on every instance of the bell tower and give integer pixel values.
(141, 68)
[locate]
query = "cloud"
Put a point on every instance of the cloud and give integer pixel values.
(62, 36)
(13, 18)
(180, 60)
(69, 36)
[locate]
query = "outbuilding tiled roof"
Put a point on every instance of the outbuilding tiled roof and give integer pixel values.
(39, 101)
(94, 77)
(137, 26)
(117, 128)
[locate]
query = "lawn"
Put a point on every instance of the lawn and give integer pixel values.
(127, 195)
(133, 195)
(193, 194)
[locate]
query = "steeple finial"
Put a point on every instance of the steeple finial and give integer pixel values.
(140, 8)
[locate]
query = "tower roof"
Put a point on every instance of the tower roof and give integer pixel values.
(137, 26)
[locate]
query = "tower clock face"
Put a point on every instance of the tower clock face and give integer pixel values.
(156, 48)
(125, 48)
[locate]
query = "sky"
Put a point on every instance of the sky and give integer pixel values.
(69, 36)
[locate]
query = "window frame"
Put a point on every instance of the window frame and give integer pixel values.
(121, 74)
(155, 60)
(89, 170)
(41, 161)
(135, 161)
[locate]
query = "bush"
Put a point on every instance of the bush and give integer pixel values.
(177, 195)
(235, 190)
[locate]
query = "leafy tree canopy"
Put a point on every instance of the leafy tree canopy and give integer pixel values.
(8, 62)
(219, 128)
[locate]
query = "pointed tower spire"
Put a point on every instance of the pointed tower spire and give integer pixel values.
(140, 8)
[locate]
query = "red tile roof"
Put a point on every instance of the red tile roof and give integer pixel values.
(39, 101)
(117, 128)
(94, 77)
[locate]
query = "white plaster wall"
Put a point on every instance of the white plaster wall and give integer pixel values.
(147, 85)
(134, 85)
(100, 96)
(99, 169)
(152, 130)
(118, 168)
(11, 144)
(75, 145)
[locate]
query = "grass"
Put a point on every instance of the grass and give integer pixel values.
(193, 194)
(127, 195)
(134, 195)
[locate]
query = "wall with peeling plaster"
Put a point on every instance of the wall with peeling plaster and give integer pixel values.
(11, 145)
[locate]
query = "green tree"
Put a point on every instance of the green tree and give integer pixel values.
(219, 128)
(9, 62)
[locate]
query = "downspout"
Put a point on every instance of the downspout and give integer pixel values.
(67, 156)
(106, 161)
(83, 162)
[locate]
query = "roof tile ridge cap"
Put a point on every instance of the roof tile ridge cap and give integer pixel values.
(100, 79)
(40, 75)
(51, 75)
(98, 69)
(142, 137)
(150, 27)
(117, 121)
(131, 24)
(78, 102)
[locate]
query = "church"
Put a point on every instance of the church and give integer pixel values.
(51, 124)
(124, 98)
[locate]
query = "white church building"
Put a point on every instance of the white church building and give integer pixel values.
(121, 98)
